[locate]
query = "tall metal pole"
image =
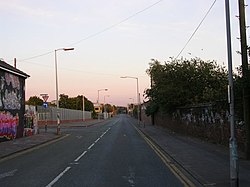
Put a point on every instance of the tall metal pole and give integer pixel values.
(57, 101)
(138, 101)
(98, 99)
(133, 106)
(98, 96)
(98, 93)
(234, 169)
(83, 108)
(245, 75)
(104, 105)
(138, 97)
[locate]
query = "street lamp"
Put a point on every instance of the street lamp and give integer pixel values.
(234, 163)
(83, 108)
(133, 105)
(98, 93)
(138, 96)
(98, 100)
(105, 115)
(57, 101)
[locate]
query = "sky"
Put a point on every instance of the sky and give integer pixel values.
(111, 38)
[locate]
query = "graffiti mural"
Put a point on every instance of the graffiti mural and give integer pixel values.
(10, 88)
(30, 121)
(8, 125)
(11, 94)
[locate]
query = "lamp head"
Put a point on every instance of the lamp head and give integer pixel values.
(68, 49)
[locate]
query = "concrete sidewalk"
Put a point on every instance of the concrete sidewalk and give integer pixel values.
(207, 164)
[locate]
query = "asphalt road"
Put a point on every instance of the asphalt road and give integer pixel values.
(111, 153)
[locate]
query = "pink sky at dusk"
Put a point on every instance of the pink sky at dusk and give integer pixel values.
(112, 38)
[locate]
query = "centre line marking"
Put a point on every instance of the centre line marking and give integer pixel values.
(91, 146)
(97, 140)
(78, 158)
(58, 177)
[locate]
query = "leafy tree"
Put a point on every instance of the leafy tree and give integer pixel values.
(75, 103)
(64, 101)
(89, 106)
(109, 108)
(35, 101)
(185, 82)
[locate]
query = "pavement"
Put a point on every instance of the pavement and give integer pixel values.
(206, 164)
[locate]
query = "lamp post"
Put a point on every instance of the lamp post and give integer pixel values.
(138, 97)
(98, 99)
(234, 165)
(83, 108)
(133, 105)
(57, 101)
(105, 111)
(98, 93)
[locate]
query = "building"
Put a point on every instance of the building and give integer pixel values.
(98, 108)
(12, 101)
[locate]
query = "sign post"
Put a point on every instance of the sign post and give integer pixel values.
(45, 105)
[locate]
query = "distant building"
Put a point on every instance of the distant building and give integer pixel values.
(98, 108)
(12, 101)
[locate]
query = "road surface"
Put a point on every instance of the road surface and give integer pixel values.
(111, 153)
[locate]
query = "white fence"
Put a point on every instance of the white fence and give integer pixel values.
(50, 114)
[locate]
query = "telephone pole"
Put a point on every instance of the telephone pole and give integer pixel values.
(245, 76)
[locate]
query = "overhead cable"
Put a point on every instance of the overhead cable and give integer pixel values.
(196, 29)
(99, 32)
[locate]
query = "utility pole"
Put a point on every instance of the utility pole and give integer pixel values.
(245, 76)
(234, 165)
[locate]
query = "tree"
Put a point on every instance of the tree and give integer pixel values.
(109, 108)
(35, 101)
(185, 82)
(75, 103)
(89, 106)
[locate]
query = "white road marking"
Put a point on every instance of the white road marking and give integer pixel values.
(97, 140)
(74, 163)
(58, 177)
(78, 158)
(130, 179)
(8, 174)
(91, 146)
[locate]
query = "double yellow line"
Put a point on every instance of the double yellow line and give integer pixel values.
(172, 167)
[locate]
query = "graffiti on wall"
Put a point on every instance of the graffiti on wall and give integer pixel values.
(8, 125)
(10, 105)
(10, 95)
(203, 115)
(30, 121)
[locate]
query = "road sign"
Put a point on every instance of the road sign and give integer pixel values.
(45, 105)
(45, 97)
